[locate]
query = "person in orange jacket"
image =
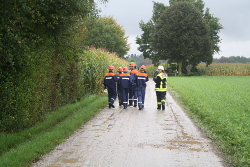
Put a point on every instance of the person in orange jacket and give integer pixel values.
(125, 83)
(110, 81)
(132, 90)
(119, 91)
(141, 79)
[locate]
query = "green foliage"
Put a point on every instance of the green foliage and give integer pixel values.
(25, 23)
(105, 33)
(182, 34)
(232, 59)
(224, 69)
(201, 45)
(221, 106)
(38, 58)
(93, 66)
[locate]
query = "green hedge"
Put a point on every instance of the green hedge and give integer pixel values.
(49, 80)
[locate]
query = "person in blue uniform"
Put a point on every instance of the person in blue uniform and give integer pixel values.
(119, 93)
(110, 81)
(141, 79)
(125, 84)
(133, 90)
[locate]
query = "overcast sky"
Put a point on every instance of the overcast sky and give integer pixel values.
(234, 17)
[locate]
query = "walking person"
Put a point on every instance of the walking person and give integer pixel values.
(161, 87)
(133, 90)
(110, 81)
(141, 79)
(125, 83)
(119, 93)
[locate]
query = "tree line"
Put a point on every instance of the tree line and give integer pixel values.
(232, 59)
(139, 59)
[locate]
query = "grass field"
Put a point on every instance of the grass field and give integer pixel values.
(25, 147)
(221, 105)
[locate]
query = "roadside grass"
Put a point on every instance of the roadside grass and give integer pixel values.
(221, 106)
(25, 147)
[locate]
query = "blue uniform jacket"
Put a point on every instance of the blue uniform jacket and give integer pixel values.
(133, 74)
(141, 78)
(125, 80)
(110, 80)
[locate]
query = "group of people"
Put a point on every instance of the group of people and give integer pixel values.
(130, 86)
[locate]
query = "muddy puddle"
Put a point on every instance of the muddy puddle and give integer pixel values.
(136, 138)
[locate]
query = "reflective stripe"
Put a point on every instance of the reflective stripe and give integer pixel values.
(108, 78)
(126, 78)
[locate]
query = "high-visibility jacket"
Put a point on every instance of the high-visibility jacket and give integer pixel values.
(161, 82)
(141, 78)
(110, 80)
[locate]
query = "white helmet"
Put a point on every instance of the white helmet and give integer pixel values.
(160, 68)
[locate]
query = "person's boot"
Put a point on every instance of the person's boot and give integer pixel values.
(163, 105)
(159, 107)
(109, 105)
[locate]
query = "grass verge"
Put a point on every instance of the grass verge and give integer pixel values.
(221, 107)
(21, 149)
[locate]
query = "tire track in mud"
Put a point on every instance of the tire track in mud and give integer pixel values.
(136, 138)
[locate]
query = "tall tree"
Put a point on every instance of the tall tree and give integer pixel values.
(146, 41)
(104, 32)
(182, 35)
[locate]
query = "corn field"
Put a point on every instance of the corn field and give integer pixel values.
(93, 66)
(224, 69)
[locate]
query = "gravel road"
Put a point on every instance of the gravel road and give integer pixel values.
(136, 138)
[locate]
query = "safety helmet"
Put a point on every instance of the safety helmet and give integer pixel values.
(111, 67)
(143, 66)
(132, 64)
(125, 69)
(160, 68)
(120, 69)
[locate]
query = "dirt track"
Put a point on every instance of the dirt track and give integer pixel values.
(136, 138)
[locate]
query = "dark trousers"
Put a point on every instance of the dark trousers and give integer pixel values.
(119, 93)
(125, 92)
(141, 96)
(111, 94)
(161, 97)
(133, 95)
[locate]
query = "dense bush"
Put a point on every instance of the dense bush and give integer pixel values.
(49, 81)
(42, 63)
